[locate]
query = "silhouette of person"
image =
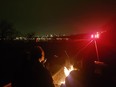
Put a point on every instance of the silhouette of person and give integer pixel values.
(34, 73)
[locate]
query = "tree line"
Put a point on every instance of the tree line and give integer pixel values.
(8, 32)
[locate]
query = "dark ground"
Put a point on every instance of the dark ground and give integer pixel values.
(12, 57)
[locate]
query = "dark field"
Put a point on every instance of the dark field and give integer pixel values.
(13, 54)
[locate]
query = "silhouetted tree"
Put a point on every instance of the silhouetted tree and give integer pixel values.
(6, 30)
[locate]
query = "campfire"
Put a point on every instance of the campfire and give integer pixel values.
(59, 77)
(67, 72)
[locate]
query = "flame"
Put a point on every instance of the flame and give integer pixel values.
(67, 72)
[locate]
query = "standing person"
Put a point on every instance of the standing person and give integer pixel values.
(34, 73)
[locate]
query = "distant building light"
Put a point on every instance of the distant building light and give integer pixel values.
(20, 38)
(67, 38)
(51, 35)
(17, 38)
(58, 38)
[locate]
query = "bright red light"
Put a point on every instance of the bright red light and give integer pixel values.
(96, 36)
(92, 36)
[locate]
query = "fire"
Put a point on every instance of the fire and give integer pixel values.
(67, 72)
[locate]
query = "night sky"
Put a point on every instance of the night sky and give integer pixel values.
(58, 16)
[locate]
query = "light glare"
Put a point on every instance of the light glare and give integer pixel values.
(95, 36)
